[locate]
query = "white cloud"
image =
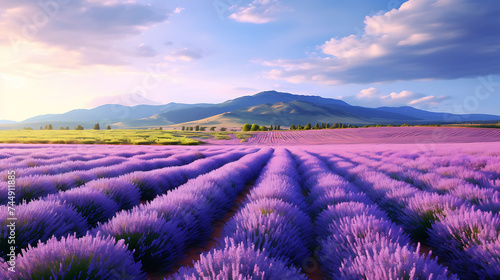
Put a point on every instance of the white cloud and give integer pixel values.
(258, 12)
(178, 10)
(372, 97)
(423, 39)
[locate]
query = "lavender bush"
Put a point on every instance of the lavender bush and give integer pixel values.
(92, 204)
(238, 262)
(88, 257)
(154, 241)
(39, 221)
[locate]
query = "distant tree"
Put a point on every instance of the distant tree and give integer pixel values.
(316, 126)
(46, 127)
(323, 125)
(255, 127)
(223, 129)
(292, 127)
(203, 128)
(67, 127)
(197, 128)
(246, 127)
(277, 127)
(308, 126)
(79, 127)
(271, 127)
(41, 127)
(50, 126)
(28, 128)
(328, 125)
(61, 128)
(213, 128)
(108, 127)
(183, 128)
(97, 126)
(300, 127)
(262, 128)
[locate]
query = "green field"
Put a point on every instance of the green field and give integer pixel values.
(116, 137)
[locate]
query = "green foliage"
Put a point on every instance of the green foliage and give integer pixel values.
(213, 128)
(262, 128)
(223, 129)
(108, 127)
(79, 127)
(271, 127)
(67, 127)
(183, 128)
(246, 127)
(97, 126)
(293, 127)
(50, 127)
(316, 126)
(197, 128)
(328, 125)
(255, 127)
(308, 126)
(27, 128)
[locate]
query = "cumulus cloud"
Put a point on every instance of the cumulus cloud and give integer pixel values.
(89, 29)
(423, 39)
(257, 12)
(372, 97)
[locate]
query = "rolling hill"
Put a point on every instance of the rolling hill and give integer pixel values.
(268, 107)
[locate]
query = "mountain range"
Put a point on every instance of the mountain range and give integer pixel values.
(268, 107)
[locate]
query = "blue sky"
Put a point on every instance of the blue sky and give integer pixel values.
(58, 55)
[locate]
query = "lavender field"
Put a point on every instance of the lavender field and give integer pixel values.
(244, 212)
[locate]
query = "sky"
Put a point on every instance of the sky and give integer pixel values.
(59, 55)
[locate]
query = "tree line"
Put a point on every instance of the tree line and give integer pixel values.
(321, 126)
(97, 126)
(256, 127)
(201, 128)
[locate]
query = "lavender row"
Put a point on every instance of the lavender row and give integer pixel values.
(480, 194)
(270, 228)
(160, 231)
(464, 237)
(356, 239)
(33, 187)
(96, 202)
(29, 161)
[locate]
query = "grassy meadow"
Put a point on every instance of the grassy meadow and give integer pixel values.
(115, 137)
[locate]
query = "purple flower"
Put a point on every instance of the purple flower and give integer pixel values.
(148, 183)
(335, 213)
(154, 241)
(40, 220)
(123, 192)
(274, 226)
(92, 204)
(393, 262)
(88, 257)
(423, 210)
(460, 230)
(238, 262)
